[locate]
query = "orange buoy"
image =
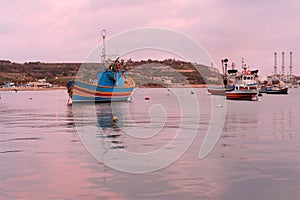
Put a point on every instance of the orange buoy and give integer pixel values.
(115, 120)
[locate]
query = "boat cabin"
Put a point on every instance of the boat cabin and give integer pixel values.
(111, 78)
(247, 77)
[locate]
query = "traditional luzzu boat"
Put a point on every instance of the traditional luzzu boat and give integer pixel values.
(246, 86)
(113, 84)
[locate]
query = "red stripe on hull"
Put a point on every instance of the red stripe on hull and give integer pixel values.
(106, 94)
(239, 96)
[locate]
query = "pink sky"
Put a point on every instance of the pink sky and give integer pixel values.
(67, 30)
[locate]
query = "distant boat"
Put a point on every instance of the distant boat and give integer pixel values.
(113, 84)
(277, 90)
(219, 90)
(263, 89)
(246, 86)
(242, 92)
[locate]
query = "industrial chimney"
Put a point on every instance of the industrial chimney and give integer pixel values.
(291, 66)
(275, 63)
(282, 68)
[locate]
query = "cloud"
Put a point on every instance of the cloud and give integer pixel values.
(67, 30)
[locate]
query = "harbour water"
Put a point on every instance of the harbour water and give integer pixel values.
(42, 155)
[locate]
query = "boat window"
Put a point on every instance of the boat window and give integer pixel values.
(248, 78)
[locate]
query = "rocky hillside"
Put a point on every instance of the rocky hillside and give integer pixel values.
(167, 72)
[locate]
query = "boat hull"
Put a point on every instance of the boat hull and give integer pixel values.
(277, 91)
(263, 89)
(85, 92)
(219, 90)
(242, 95)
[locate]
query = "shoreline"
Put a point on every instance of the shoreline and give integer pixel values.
(64, 88)
(32, 88)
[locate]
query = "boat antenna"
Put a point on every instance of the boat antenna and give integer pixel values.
(224, 66)
(243, 64)
(104, 33)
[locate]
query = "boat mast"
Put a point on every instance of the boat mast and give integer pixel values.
(224, 66)
(103, 60)
(224, 69)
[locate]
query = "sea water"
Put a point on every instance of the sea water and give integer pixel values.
(44, 154)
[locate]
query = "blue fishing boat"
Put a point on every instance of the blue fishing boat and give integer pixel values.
(113, 84)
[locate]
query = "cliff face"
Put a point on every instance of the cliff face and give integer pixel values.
(166, 72)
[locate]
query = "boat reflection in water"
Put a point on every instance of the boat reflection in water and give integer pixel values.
(103, 121)
(110, 120)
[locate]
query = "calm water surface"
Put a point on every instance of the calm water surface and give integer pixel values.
(42, 156)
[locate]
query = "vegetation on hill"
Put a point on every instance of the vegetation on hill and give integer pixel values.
(151, 72)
